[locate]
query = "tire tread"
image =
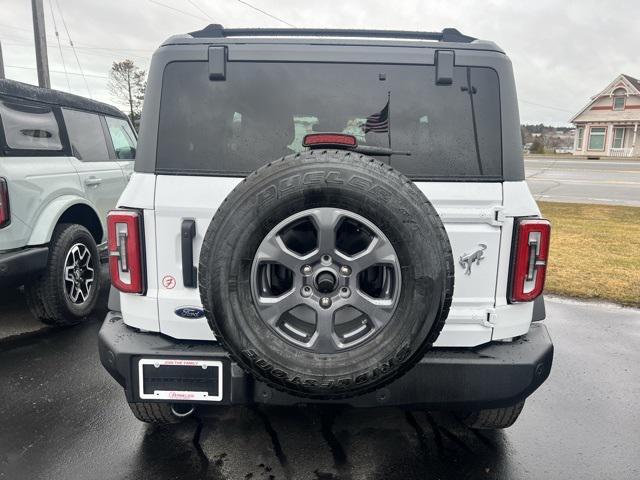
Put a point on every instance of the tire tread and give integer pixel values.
(494, 418)
(156, 413)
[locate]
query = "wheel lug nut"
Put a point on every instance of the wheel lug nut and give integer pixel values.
(345, 270)
(306, 291)
(306, 270)
(325, 302)
(345, 292)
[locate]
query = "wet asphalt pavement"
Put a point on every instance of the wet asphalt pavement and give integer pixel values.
(63, 417)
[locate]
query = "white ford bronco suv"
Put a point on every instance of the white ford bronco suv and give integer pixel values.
(328, 216)
(64, 161)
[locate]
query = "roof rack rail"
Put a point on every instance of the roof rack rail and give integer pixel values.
(218, 31)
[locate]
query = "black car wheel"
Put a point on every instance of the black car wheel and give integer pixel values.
(66, 292)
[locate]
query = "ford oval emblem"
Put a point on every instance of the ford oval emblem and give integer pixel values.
(189, 312)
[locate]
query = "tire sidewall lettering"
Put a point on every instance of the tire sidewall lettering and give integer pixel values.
(280, 375)
(292, 183)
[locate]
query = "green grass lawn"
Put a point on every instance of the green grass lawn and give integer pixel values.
(595, 251)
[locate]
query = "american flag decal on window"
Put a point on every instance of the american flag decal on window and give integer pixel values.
(378, 122)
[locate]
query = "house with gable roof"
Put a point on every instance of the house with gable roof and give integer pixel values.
(608, 124)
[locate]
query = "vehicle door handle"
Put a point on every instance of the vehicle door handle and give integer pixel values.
(92, 181)
(189, 272)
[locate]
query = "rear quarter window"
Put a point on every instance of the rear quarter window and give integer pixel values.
(29, 126)
(263, 110)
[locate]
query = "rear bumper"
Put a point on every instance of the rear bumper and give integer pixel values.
(494, 375)
(17, 266)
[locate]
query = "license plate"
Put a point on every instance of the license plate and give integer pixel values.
(180, 379)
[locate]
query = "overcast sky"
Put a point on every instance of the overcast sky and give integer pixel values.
(563, 52)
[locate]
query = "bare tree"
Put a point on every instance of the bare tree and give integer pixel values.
(538, 145)
(127, 84)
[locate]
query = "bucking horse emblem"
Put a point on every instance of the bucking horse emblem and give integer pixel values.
(468, 259)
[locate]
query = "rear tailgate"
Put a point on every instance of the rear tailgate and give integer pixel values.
(180, 198)
(472, 216)
(471, 213)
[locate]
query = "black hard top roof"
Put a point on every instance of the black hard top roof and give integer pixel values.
(56, 97)
(447, 38)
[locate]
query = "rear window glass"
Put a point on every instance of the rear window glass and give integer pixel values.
(85, 136)
(263, 110)
(29, 126)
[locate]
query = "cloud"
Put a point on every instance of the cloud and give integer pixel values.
(562, 52)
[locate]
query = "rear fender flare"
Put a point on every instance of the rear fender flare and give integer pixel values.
(48, 218)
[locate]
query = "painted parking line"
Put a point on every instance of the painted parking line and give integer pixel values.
(584, 170)
(583, 182)
(581, 162)
(575, 199)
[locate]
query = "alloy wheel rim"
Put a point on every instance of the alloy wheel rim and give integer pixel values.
(333, 295)
(78, 274)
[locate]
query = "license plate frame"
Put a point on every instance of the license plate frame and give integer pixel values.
(181, 395)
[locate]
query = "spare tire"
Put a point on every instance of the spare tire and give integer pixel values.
(326, 274)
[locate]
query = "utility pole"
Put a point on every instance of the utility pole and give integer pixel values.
(39, 34)
(1, 63)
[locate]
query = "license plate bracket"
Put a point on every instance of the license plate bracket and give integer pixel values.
(180, 379)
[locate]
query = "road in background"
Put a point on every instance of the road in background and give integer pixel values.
(615, 182)
(63, 417)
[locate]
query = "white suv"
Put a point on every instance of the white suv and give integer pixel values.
(64, 161)
(328, 216)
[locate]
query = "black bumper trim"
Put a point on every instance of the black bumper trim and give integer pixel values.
(18, 265)
(539, 310)
(490, 376)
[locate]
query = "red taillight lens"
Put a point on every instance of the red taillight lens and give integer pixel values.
(328, 139)
(5, 213)
(125, 250)
(529, 266)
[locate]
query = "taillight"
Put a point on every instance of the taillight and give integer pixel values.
(5, 213)
(529, 261)
(125, 250)
(329, 139)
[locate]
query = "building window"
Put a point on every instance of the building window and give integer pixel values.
(618, 137)
(619, 97)
(596, 138)
(579, 138)
(618, 103)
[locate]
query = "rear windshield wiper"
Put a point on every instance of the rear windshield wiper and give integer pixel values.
(381, 151)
